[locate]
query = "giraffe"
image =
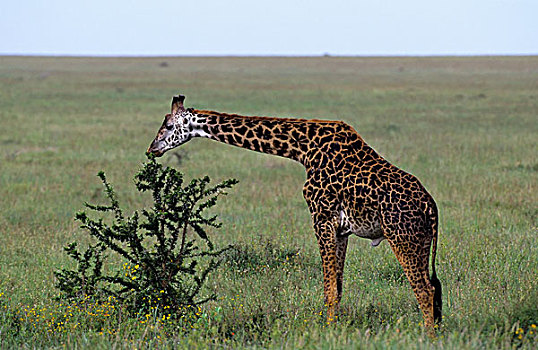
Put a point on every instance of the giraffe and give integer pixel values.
(349, 189)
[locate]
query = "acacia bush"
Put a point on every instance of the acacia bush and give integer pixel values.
(158, 258)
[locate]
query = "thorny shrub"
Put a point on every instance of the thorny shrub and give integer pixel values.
(164, 252)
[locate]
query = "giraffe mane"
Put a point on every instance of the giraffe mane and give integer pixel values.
(283, 119)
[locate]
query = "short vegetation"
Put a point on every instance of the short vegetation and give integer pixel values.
(150, 269)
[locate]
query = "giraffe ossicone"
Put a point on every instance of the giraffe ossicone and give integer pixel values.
(349, 189)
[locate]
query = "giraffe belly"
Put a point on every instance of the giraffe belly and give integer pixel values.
(367, 226)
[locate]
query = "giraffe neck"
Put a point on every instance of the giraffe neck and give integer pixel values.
(289, 138)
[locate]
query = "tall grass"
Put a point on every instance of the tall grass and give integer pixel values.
(465, 126)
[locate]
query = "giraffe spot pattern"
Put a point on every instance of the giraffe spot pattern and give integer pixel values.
(349, 189)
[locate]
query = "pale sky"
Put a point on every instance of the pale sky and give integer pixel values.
(277, 27)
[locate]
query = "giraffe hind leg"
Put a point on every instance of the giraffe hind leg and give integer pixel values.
(414, 259)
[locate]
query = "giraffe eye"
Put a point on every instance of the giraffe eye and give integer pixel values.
(169, 126)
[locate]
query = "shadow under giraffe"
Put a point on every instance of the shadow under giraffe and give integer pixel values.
(349, 189)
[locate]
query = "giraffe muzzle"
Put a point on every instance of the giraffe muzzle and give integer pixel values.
(154, 149)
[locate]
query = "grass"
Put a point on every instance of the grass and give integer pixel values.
(465, 126)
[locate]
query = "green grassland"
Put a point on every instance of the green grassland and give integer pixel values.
(467, 127)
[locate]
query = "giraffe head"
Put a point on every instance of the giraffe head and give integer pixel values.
(178, 127)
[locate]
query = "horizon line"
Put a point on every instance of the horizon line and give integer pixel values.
(327, 55)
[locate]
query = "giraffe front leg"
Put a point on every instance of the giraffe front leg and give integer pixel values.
(341, 247)
(326, 235)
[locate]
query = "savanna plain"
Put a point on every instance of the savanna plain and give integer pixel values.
(467, 127)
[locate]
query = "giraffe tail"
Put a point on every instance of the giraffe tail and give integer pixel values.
(437, 297)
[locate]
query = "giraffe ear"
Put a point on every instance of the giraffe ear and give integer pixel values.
(177, 104)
